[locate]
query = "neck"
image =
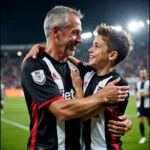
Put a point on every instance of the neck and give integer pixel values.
(54, 52)
(101, 71)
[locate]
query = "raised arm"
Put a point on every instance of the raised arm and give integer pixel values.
(77, 84)
(74, 60)
(34, 51)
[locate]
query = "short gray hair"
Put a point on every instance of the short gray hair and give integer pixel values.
(58, 16)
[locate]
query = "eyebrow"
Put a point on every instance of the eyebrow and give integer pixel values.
(80, 30)
(97, 44)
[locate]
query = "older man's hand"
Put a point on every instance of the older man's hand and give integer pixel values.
(120, 127)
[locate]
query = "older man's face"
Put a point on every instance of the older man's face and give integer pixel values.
(70, 37)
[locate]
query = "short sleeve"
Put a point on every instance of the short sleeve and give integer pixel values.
(84, 68)
(37, 81)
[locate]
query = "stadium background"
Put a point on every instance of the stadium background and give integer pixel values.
(22, 27)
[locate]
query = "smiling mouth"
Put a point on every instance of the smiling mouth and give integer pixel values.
(91, 57)
(73, 48)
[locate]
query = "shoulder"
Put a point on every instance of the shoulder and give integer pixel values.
(32, 64)
(123, 81)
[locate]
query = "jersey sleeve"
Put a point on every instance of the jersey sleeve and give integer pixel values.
(83, 68)
(37, 81)
(120, 107)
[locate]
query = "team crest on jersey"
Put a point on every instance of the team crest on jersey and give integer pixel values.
(38, 77)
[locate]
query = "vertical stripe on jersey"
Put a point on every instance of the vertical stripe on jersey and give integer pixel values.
(142, 90)
(60, 124)
(112, 116)
(97, 136)
(143, 87)
(35, 125)
(98, 141)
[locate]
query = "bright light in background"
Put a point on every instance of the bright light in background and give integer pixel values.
(118, 28)
(133, 26)
(141, 24)
(19, 53)
(147, 21)
(95, 33)
(86, 35)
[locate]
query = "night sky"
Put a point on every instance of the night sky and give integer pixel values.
(22, 21)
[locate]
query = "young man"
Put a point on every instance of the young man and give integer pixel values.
(2, 97)
(142, 93)
(109, 48)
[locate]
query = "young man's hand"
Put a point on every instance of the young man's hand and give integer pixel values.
(34, 52)
(77, 84)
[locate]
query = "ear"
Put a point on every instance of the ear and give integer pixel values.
(55, 31)
(113, 55)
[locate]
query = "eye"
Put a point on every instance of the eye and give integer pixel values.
(96, 46)
(75, 33)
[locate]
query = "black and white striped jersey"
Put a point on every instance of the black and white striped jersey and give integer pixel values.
(2, 92)
(95, 131)
(45, 80)
(144, 87)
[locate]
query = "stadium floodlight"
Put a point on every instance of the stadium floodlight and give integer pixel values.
(133, 26)
(141, 24)
(19, 53)
(94, 33)
(118, 28)
(86, 35)
(147, 21)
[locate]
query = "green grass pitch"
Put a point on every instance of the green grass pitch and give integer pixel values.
(15, 138)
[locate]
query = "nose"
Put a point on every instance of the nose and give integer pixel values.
(79, 39)
(90, 50)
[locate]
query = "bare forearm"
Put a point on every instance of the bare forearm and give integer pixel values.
(79, 93)
(68, 109)
(73, 60)
(93, 113)
(136, 95)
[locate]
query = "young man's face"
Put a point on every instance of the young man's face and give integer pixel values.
(98, 53)
(143, 74)
(70, 37)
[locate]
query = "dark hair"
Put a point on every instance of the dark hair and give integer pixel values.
(118, 41)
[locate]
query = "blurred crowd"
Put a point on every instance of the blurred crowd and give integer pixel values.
(11, 71)
(139, 58)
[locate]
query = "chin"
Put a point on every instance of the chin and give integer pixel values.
(91, 64)
(70, 53)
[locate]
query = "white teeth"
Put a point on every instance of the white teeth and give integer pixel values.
(91, 57)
